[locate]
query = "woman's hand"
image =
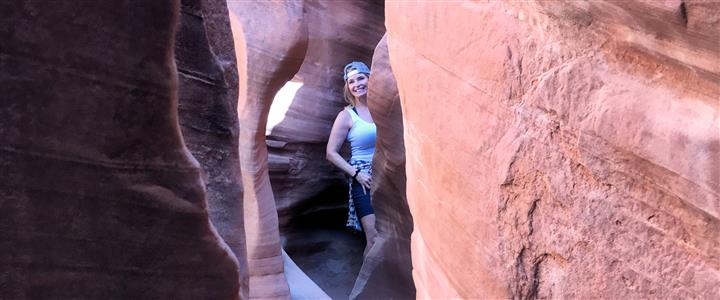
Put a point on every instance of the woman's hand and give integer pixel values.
(365, 181)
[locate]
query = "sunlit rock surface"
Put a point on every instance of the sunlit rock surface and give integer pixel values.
(386, 270)
(339, 32)
(208, 91)
(99, 198)
(561, 149)
(270, 42)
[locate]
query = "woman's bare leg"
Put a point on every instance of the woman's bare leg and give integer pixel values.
(368, 224)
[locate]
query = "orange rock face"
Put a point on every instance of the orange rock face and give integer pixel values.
(386, 271)
(99, 197)
(561, 149)
(268, 55)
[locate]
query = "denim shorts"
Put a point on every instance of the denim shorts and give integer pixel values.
(361, 200)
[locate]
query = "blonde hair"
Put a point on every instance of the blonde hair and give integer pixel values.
(348, 96)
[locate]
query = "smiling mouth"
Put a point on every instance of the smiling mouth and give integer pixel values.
(359, 88)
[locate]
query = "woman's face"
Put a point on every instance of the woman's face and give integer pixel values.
(357, 84)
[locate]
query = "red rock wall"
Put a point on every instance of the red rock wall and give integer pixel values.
(99, 197)
(387, 268)
(270, 41)
(208, 91)
(339, 32)
(561, 149)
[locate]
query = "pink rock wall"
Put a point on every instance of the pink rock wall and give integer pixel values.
(270, 41)
(208, 93)
(387, 268)
(561, 149)
(338, 32)
(99, 198)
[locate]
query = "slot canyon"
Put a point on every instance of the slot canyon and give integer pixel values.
(176, 149)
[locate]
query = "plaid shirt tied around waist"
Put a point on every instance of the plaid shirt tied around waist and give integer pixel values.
(352, 221)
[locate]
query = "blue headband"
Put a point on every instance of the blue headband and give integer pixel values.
(355, 66)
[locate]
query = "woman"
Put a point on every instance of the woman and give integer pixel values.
(355, 124)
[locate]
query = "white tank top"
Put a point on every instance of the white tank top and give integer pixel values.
(361, 137)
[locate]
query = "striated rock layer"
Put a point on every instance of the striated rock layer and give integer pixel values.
(387, 268)
(208, 91)
(269, 51)
(99, 198)
(338, 32)
(561, 149)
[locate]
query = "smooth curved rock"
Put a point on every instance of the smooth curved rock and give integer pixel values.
(561, 149)
(302, 179)
(270, 42)
(208, 93)
(387, 269)
(99, 198)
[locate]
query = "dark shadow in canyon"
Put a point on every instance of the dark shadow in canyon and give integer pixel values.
(325, 250)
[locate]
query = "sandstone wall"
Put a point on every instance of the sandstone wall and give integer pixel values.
(99, 197)
(208, 91)
(561, 149)
(270, 41)
(387, 268)
(338, 32)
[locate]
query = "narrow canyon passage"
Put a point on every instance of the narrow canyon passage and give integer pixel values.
(525, 149)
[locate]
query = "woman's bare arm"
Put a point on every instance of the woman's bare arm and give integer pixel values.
(339, 131)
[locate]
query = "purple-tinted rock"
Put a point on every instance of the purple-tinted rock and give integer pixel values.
(208, 91)
(99, 198)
